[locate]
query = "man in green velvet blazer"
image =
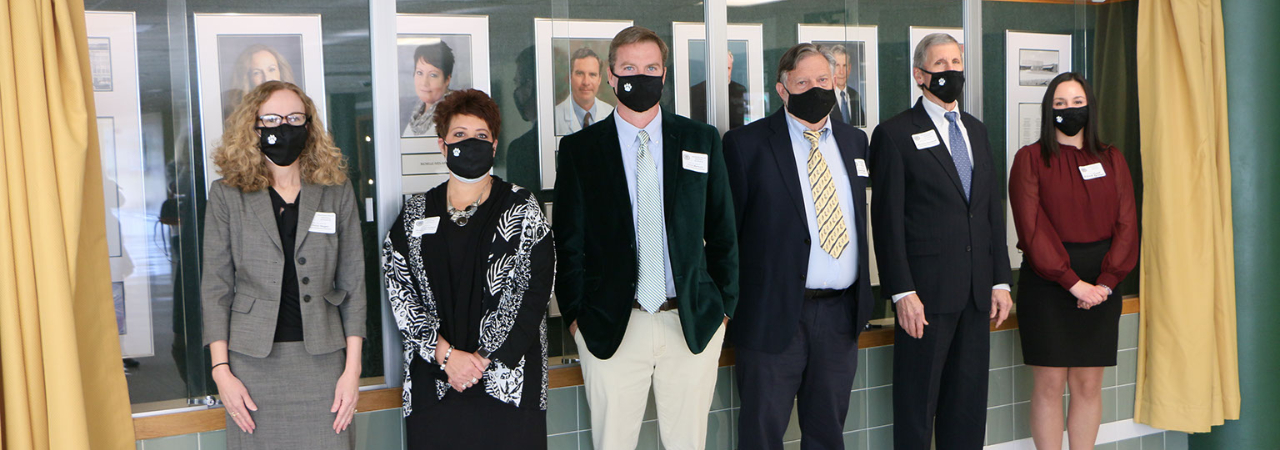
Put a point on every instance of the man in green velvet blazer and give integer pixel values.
(643, 312)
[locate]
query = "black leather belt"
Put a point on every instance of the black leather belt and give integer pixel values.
(823, 293)
(668, 305)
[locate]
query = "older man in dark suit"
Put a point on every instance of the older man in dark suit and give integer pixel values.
(938, 213)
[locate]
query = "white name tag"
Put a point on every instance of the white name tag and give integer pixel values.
(862, 167)
(1092, 171)
(426, 226)
(924, 140)
(696, 162)
(324, 222)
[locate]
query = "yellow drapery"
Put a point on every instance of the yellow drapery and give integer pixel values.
(1188, 378)
(61, 381)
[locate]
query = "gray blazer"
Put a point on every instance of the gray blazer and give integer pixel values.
(243, 266)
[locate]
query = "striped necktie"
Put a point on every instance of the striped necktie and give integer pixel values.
(831, 229)
(651, 273)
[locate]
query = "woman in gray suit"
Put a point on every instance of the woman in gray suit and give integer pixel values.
(283, 286)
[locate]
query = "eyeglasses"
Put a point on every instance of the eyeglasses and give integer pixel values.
(274, 120)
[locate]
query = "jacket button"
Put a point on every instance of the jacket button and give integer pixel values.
(306, 298)
(802, 277)
(306, 280)
(807, 241)
(302, 261)
(968, 248)
(970, 215)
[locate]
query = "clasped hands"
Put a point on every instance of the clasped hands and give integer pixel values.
(465, 369)
(1088, 295)
(911, 312)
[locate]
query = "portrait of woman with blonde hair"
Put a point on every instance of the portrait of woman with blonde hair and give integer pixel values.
(283, 290)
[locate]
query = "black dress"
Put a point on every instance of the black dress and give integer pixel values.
(458, 262)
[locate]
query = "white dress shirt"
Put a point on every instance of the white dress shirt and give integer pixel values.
(825, 272)
(629, 140)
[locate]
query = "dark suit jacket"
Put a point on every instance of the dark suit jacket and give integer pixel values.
(596, 241)
(737, 103)
(857, 112)
(244, 263)
(928, 238)
(773, 232)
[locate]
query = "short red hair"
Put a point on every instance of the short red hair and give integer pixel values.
(472, 103)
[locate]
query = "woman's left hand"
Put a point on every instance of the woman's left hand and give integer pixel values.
(345, 396)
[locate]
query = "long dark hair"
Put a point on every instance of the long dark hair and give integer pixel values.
(1048, 132)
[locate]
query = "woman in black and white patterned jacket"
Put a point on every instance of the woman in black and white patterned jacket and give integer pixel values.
(469, 268)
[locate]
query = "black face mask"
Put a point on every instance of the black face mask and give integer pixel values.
(811, 105)
(469, 159)
(283, 144)
(1071, 120)
(639, 92)
(947, 85)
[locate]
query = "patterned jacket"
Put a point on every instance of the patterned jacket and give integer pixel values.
(513, 331)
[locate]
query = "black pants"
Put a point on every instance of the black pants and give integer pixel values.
(816, 370)
(941, 379)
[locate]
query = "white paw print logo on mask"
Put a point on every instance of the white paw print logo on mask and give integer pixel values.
(1059, 118)
(456, 151)
(942, 82)
(627, 87)
(271, 139)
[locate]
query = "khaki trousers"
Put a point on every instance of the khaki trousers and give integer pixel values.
(653, 353)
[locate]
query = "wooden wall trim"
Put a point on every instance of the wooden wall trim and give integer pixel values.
(176, 424)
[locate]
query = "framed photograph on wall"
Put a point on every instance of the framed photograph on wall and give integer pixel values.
(436, 55)
(857, 77)
(237, 52)
(748, 100)
(573, 83)
(1031, 61)
(917, 34)
(113, 61)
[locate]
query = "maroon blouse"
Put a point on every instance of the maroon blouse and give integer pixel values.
(1055, 204)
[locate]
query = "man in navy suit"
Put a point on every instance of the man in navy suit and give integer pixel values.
(938, 212)
(799, 192)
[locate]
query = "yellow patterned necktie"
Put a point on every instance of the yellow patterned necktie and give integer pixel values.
(833, 233)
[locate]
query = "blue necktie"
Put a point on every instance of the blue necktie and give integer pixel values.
(960, 153)
(844, 106)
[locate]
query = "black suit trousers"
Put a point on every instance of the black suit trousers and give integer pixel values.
(941, 379)
(816, 370)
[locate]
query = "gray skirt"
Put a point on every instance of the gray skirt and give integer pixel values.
(294, 391)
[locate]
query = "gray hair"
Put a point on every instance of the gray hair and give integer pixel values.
(930, 41)
(837, 49)
(583, 53)
(798, 52)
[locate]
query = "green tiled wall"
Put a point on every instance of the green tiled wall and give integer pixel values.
(868, 426)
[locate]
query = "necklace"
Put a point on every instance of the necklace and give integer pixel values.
(461, 217)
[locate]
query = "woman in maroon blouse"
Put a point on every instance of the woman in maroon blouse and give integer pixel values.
(1073, 206)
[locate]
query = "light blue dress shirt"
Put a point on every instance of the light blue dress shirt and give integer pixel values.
(582, 113)
(629, 140)
(825, 272)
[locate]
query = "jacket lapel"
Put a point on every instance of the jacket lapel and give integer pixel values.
(611, 171)
(260, 203)
(784, 153)
(671, 157)
(856, 189)
(309, 202)
(924, 123)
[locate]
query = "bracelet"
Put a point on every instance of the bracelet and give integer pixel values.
(446, 357)
(215, 366)
(1108, 288)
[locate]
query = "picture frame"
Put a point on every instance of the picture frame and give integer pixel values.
(114, 66)
(555, 42)
(1031, 61)
(458, 44)
(861, 44)
(748, 99)
(236, 52)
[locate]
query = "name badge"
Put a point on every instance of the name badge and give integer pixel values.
(927, 139)
(862, 167)
(425, 226)
(324, 222)
(696, 162)
(1092, 171)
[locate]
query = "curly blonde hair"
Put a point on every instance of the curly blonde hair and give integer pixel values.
(243, 166)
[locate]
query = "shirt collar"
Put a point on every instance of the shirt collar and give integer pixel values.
(797, 129)
(937, 112)
(578, 109)
(627, 132)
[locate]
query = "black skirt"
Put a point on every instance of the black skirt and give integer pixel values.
(1055, 333)
(470, 419)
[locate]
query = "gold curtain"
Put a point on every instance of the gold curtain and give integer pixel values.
(61, 380)
(1188, 378)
